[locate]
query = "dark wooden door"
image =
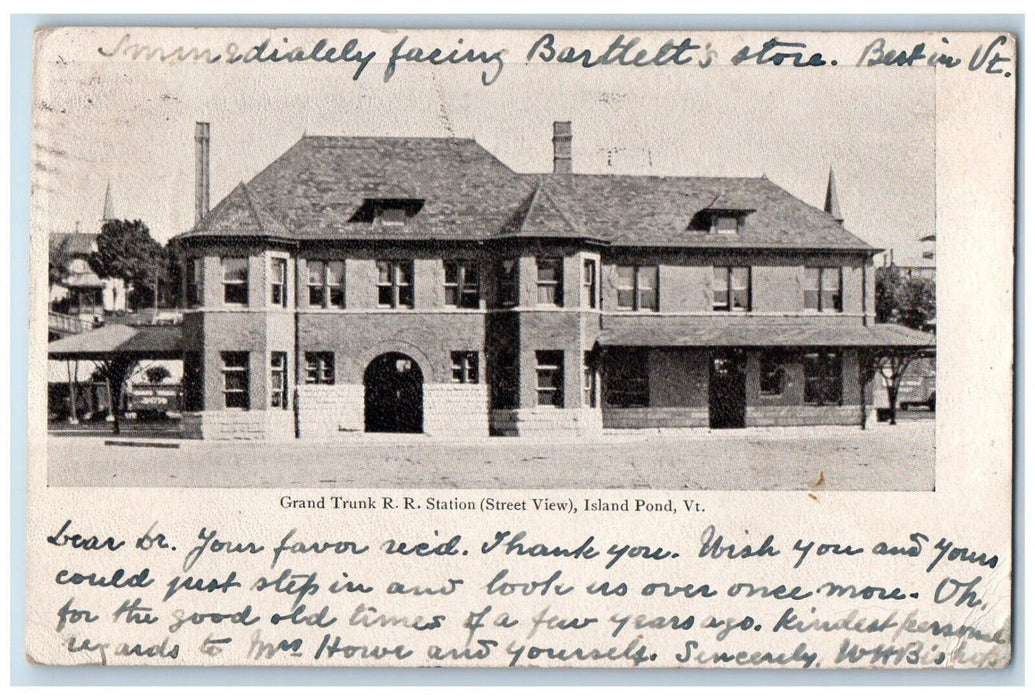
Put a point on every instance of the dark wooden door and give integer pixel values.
(726, 389)
(393, 395)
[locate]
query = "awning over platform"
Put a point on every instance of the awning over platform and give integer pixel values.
(139, 342)
(689, 334)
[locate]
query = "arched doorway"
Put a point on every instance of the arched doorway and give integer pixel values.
(393, 388)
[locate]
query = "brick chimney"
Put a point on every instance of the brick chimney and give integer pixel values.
(201, 186)
(562, 147)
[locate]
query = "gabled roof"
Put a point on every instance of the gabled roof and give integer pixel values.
(543, 215)
(78, 244)
(240, 214)
(313, 190)
(143, 342)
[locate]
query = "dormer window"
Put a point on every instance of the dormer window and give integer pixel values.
(393, 217)
(726, 223)
(719, 221)
(387, 212)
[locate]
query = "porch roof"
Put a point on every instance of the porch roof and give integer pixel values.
(744, 334)
(139, 342)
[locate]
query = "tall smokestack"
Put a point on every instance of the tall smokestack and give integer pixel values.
(562, 147)
(201, 139)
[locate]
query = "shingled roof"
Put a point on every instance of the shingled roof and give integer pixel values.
(314, 190)
(76, 244)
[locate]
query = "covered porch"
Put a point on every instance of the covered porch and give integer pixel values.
(114, 350)
(749, 373)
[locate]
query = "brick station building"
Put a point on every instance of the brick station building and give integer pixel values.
(421, 285)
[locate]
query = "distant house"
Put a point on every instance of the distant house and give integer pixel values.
(421, 285)
(81, 292)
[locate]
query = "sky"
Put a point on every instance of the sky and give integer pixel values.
(132, 123)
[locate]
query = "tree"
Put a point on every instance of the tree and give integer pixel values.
(60, 263)
(114, 371)
(157, 374)
(126, 250)
(909, 301)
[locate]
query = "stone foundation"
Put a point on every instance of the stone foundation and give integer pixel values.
(239, 425)
(696, 417)
(327, 410)
(337, 410)
(761, 416)
(458, 410)
(546, 421)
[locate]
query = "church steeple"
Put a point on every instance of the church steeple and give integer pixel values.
(109, 208)
(831, 205)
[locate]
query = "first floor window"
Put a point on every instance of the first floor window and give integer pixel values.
(549, 282)
(235, 281)
(638, 287)
(505, 380)
(395, 284)
(235, 379)
(278, 380)
(508, 282)
(589, 382)
(278, 282)
(732, 289)
(462, 287)
(823, 378)
(465, 367)
(628, 379)
(589, 284)
(550, 377)
(770, 377)
(319, 368)
(823, 289)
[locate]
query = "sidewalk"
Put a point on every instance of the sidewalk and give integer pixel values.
(883, 457)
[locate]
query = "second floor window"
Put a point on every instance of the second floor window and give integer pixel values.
(395, 284)
(549, 282)
(194, 282)
(327, 284)
(235, 281)
(732, 289)
(589, 284)
(638, 287)
(278, 282)
(508, 282)
(823, 289)
(462, 287)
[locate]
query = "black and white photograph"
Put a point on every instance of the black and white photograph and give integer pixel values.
(682, 284)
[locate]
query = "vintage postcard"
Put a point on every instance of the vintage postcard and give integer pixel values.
(521, 348)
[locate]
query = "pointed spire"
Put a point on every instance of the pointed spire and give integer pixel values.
(832, 206)
(109, 208)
